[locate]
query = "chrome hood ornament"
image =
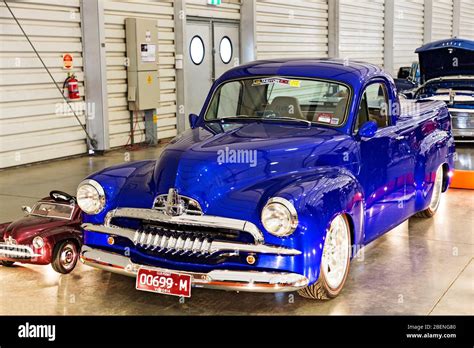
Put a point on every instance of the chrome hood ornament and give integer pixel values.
(173, 204)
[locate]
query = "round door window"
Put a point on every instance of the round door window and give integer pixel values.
(196, 50)
(225, 50)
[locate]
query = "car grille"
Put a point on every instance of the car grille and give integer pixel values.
(183, 243)
(462, 120)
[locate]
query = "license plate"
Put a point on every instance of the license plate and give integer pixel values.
(168, 283)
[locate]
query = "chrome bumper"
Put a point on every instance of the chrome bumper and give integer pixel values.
(252, 281)
(14, 251)
(458, 132)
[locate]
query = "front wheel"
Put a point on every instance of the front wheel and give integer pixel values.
(6, 263)
(65, 257)
(334, 262)
(435, 196)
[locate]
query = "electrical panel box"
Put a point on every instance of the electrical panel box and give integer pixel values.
(142, 58)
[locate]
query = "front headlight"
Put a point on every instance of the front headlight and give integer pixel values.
(90, 197)
(279, 217)
(38, 242)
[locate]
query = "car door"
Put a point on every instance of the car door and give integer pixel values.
(381, 172)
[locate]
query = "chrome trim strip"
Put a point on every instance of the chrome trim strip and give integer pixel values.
(15, 251)
(457, 110)
(215, 246)
(192, 220)
(253, 281)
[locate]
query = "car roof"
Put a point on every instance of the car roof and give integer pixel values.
(346, 71)
(447, 43)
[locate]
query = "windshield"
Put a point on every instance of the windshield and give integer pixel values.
(280, 98)
(52, 210)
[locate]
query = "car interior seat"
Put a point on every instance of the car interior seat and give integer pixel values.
(286, 107)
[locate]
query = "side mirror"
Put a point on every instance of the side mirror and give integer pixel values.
(368, 129)
(193, 118)
(26, 209)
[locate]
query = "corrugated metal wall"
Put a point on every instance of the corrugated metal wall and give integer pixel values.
(229, 9)
(292, 28)
(408, 31)
(119, 116)
(362, 30)
(35, 125)
(466, 27)
(442, 19)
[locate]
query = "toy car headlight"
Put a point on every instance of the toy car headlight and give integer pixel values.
(38, 242)
(279, 217)
(90, 197)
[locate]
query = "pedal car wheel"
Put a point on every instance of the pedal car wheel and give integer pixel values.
(435, 196)
(7, 263)
(65, 257)
(334, 262)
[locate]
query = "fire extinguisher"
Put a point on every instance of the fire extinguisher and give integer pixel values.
(72, 86)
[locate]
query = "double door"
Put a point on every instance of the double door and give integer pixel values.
(213, 48)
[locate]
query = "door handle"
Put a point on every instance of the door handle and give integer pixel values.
(400, 137)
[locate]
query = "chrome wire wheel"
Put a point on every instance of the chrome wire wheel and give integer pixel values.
(334, 262)
(437, 188)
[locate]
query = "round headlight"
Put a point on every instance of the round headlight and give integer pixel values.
(279, 217)
(90, 197)
(38, 242)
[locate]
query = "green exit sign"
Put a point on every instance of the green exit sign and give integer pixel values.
(214, 2)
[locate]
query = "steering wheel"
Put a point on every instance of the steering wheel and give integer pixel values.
(61, 196)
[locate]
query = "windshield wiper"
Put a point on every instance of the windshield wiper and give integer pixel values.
(236, 118)
(308, 123)
(256, 118)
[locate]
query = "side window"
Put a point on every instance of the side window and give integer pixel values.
(374, 106)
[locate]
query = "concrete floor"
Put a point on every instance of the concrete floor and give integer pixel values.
(424, 266)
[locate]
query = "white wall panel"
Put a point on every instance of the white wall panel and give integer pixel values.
(361, 26)
(408, 31)
(119, 116)
(292, 28)
(229, 9)
(466, 22)
(35, 123)
(442, 20)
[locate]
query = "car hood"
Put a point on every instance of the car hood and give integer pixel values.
(230, 165)
(25, 229)
(445, 61)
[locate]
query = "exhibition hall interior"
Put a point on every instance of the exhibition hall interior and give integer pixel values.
(236, 157)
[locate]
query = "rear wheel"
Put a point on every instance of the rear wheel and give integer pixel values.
(7, 263)
(65, 257)
(334, 262)
(435, 196)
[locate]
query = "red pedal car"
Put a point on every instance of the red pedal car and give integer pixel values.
(49, 233)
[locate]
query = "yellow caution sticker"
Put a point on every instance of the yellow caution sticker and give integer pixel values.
(155, 118)
(149, 79)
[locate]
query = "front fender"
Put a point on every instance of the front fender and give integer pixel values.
(134, 177)
(3, 228)
(318, 198)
